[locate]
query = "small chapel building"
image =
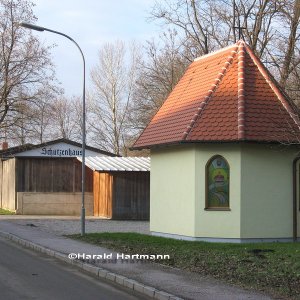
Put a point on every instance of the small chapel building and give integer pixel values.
(224, 154)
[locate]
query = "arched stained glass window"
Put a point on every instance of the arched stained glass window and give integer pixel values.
(217, 183)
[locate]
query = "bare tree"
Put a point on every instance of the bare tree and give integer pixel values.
(163, 65)
(77, 113)
(113, 84)
(211, 24)
(271, 28)
(34, 122)
(64, 122)
(291, 56)
(25, 66)
(40, 121)
(188, 17)
(18, 131)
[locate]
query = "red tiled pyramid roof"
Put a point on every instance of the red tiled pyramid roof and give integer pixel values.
(226, 96)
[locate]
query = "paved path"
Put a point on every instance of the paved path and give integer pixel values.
(71, 225)
(177, 282)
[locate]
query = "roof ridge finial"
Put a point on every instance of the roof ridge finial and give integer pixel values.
(241, 35)
(236, 16)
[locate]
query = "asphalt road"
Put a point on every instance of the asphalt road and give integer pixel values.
(25, 274)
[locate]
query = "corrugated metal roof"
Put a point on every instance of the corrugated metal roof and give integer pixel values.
(105, 163)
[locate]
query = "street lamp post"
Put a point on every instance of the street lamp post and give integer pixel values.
(39, 28)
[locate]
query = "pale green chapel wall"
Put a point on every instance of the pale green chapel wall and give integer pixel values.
(178, 192)
(172, 191)
(267, 192)
(260, 192)
(218, 224)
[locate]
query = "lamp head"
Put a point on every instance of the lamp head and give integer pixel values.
(31, 26)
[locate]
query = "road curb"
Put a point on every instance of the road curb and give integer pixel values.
(99, 272)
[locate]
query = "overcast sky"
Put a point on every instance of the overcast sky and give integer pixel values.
(91, 23)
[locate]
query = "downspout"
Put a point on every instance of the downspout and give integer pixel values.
(295, 199)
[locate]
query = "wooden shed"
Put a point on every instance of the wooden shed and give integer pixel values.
(45, 178)
(121, 187)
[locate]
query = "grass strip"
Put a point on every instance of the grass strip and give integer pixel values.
(269, 267)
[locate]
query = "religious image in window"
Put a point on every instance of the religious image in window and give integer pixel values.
(218, 183)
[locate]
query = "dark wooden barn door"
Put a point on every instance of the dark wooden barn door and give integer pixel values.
(131, 195)
(103, 194)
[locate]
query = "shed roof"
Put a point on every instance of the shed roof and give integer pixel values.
(100, 163)
(225, 96)
(10, 152)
